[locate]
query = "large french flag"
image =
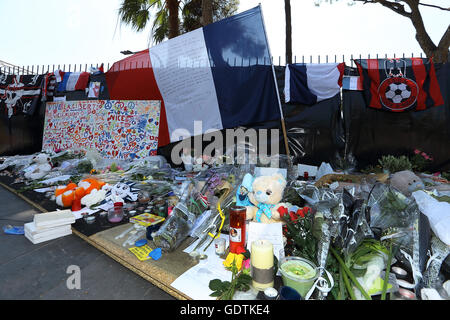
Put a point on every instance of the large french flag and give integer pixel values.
(216, 77)
(311, 83)
(71, 81)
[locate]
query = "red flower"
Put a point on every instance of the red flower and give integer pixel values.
(239, 250)
(282, 211)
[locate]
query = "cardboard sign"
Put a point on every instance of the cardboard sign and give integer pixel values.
(117, 129)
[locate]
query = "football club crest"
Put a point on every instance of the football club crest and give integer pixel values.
(397, 92)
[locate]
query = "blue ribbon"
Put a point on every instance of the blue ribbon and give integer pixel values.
(264, 208)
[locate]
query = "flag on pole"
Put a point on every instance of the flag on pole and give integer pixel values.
(220, 74)
(311, 83)
(400, 84)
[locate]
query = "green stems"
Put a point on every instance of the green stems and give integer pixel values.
(347, 285)
(386, 276)
(348, 273)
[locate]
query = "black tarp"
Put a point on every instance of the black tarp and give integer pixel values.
(372, 133)
(315, 133)
(22, 133)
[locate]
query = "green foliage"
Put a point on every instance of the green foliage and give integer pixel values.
(420, 161)
(224, 290)
(300, 237)
(136, 13)
(395, 164)
(84, 166)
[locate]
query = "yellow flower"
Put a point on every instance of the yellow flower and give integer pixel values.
(237, 258)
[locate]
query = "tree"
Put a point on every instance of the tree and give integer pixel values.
(411, 10)
(207, 12)
(287, 13)
(137, 14)
(173, 17)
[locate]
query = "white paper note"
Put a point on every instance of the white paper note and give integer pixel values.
(267, 231)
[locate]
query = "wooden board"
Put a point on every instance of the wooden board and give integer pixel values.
(160, 273)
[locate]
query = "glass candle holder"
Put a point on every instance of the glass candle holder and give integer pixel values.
(115, 215)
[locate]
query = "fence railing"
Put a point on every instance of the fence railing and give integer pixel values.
(277, 61)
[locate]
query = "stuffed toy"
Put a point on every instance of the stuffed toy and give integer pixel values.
(406, 182)
(65, 195)
(243, 190)
(94, 197)
(122, 191)
(43, 167)
(267, 192)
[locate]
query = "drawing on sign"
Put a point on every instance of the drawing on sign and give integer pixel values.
(117, 129)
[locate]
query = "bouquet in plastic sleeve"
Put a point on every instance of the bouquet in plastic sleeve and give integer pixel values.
(394, 219)
(175, 229)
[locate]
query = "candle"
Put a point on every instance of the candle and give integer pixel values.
(262, 264)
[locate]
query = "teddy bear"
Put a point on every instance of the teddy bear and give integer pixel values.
(42, 167)
(266, 194)
(406, 182)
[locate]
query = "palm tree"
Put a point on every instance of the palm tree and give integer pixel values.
(287, 13)
(207, 12)
(166, 20)
(137, 14)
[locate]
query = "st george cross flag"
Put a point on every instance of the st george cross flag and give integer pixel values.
(400, 84)
(71, 81)
(216, 77)
(311, 83)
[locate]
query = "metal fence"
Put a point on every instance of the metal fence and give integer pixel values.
(277, 61)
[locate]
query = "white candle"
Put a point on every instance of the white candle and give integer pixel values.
(262, 264)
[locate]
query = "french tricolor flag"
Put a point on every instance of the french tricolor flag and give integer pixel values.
(216, 77)
(71, 81)
(311, 83)
(352, 83)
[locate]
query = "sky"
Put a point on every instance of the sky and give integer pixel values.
(62, 32)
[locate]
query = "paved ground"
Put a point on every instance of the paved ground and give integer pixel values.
(29, 271)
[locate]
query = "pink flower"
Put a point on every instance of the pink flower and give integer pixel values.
(436, 174)
(246, 264)
(416, 151)
(424, 154)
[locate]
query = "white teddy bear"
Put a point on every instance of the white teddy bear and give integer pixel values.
(41, 166)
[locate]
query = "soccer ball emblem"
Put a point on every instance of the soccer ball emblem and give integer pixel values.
(398, 92)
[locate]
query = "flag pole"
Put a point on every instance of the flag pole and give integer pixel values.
(283, 125)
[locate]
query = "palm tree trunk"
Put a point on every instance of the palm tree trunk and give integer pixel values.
(287, 12)
(207, 12)
(174, 22)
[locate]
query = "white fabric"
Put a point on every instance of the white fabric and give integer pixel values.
(183, 73)
(438, 214)
(323, 80)
(287, 85)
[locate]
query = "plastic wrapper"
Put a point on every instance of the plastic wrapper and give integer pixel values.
(394, 218)
(439, 252)
(353, 225)
(18, 162)
(175, 229)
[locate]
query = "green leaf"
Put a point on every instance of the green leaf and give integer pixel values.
(244, 279)
(215, 285)
(216, 294)
(225, 285)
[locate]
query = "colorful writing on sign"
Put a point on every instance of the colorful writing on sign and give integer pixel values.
(117, 129)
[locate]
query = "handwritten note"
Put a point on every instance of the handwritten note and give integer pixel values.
(183, 73)
(267, 231)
